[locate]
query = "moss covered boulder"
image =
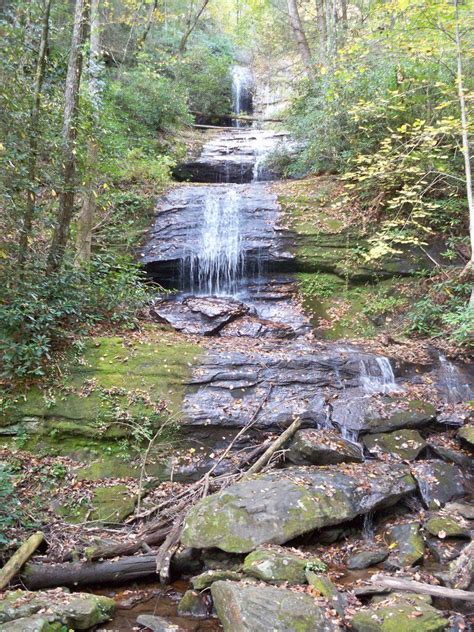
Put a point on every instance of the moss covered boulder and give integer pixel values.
(206, 579)
(406, 543)
(194, 604)
(249, 608)
(445, 527)
(322, 447)
(407, 613)
(276, 507)
(404, 444)
(276, 565)
(466, 435)
(325, 587)
(367, 558)
(77, 611)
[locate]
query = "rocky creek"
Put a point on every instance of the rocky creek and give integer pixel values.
(377, 475)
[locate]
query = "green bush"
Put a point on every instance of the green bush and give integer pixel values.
(43, 312)
(10, 508)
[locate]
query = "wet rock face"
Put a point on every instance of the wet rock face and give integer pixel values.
(231, 157)
(278, 506)
(276, 566)
(248, 608)
(322, 447)
(438, 482)
(404, 444)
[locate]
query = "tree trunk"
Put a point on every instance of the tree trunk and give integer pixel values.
(300, 36)
(33, 140)
(86, 216)
(191, 27)
(126, 569)
(322, 27)
(19, 558)
(69, 134)
(149, 22)
(465, 142)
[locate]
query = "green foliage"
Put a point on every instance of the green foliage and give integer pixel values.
(444, 311)
(42, 313)
(316, 566)
(319, 284)
(10, 509)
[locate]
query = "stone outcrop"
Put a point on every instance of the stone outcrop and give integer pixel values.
(249, 608)
(278, 506)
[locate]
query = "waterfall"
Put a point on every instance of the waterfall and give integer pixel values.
(216, 263)
(241, 82)
(453, 382)
(377, 376)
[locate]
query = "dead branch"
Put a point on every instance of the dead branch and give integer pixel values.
(421, 588)
(19, 558)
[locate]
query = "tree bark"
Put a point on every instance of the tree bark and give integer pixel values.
(19, 558)
(69, 134)
(192, 26)
(149, 22)
(33, 138)
(86, 217)
(398, 583)
(465, 142)
(322, 27)
(300, 37)
(126, 569)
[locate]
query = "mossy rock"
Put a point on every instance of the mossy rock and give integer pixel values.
(117, 378)
(324, 586)
(77, 611)
(108, 504)
(206, 579)
(194, 604)
(36, 623)
(407, 544)
(276, 566)
(404, 444)
(466, 434)
(445, 527)
(400, 613)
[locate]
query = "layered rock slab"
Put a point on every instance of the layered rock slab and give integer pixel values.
(276, 507)
(250, 608)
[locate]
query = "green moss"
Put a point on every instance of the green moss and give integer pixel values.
(121, 390)
(396, 614)
(108, 504)
(275, 566)
(445, 526)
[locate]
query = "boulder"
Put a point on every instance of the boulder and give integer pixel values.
(407, 612)
(206, 579)
(466, 434)
(275, 565)
(406, 543)
(79, 611)
(445, 527)
(324, 586)
(195, 604)
(157, 624)
(438, 482)
(276, 507)
(451, 455)
(250, 608)
(366, 415)
(322, 447)
(445, 551)
(202, 315)
(365, 559)
(404, 444)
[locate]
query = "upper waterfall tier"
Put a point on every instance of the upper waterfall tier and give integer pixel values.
(232, 156)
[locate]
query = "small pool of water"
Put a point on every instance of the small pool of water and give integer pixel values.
(152, 599)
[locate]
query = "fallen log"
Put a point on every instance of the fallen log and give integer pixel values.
(19, 558)
(276, 445)
(37, 576)
(398, 583)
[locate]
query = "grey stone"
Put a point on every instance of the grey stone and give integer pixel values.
(278, 506)
(404, 444)
(438, 482)
(157, 624)
(248, 608)
(364, 559)
(409, 545)
(322, 447)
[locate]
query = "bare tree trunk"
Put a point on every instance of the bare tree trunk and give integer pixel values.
(149, 22)
(322, 27)
(192, 26)
(465, 142)
(300, 36)
(69, 134)
(344, 14)
(33, 140)
(86, 216)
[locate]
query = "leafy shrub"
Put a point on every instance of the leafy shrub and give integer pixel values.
(10, 509)
(41, 313)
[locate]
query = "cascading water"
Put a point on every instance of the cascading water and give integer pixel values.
(241, 83)
(377, 376)
(216, 264)
(453, 383)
